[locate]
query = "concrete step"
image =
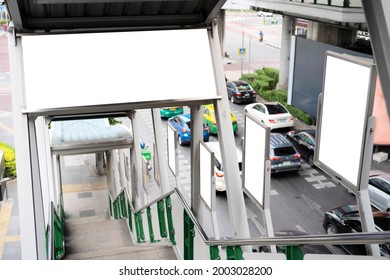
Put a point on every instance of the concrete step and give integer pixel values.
(163, 252)
(108, 240)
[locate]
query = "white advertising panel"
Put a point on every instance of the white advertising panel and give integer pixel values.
(206, 175)
(346, 106)
(68, 70)
(256, 152)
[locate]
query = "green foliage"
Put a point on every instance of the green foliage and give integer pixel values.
(275, 95)
(273, 74)
(299, 114)
(260, 85)
(10, 160)
(249, 78)
(113, 121)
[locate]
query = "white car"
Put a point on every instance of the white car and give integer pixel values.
(379, 190)
(218, 168)
(272, 114)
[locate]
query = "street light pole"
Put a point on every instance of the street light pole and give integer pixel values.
(242, 57)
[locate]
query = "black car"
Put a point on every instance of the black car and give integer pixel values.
(346, 219)
(240, 92)
(304, 142)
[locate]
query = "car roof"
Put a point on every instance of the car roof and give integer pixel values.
(239, 83)
(278, 140)
(185, 117)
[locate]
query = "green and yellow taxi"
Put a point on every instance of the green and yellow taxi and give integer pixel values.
(210, 120)
(168, 112)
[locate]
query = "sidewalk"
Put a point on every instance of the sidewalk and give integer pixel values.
(10, 246)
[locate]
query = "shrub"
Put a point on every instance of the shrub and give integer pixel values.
(249, 78)
(275, 95)
(260, 86)
(10, 160)
(273, 74)
(299, 114)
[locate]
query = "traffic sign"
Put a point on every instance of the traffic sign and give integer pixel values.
(241, 51)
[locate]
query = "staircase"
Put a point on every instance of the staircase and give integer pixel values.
(90, 234)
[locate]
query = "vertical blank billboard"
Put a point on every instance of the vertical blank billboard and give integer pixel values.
(206, 175)
(172, 149)
(347, 103)
(256, 152)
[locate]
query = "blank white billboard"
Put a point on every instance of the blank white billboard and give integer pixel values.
(206, 175)
(256, 152)
(172, 147)
(68, 70)
(346, 106)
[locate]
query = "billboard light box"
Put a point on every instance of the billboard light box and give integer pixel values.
(256, 152)
(347, 104)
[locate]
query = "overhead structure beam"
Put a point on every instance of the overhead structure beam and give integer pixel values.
(378, 21)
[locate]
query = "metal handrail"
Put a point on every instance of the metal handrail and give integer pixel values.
(337, 239)
(152, 202)
(50, 245)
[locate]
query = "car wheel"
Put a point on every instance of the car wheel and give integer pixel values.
(331, 229)
(310, 161)
(388, 210)
(232, 98)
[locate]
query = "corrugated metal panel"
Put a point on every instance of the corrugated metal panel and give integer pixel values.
(90, 131)
(125, 14)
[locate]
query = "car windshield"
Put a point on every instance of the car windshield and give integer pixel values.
(275, 109)
(284, 151)
(380, 184)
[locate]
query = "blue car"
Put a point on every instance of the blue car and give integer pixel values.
(182, 124)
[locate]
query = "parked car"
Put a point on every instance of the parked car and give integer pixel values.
(304, 141)
(168, 112)
(282, 154)
(379, 190)
(210, 120)
(273, 114)
(346, 219)
(218, 168)
(182, 124)
(240, 92)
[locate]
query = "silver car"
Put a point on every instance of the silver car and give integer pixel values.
(379, 190)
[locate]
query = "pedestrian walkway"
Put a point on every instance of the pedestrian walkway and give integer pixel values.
(10, 246)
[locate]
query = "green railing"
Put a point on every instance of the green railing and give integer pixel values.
(55, 234)
(290, 246)
(121, 207)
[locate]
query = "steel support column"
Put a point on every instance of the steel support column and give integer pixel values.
(140, 196)
(196, 138)
(234, 191)
(31, 219)
(160, 149)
